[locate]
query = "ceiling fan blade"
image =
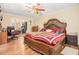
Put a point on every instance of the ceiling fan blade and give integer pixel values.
(41, 9)
(28, 7)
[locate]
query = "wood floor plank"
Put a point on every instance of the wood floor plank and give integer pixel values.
(16, 47)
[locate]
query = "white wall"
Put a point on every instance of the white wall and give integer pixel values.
(69, 15)
(9, 18)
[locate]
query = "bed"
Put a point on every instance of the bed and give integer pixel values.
(46, 46)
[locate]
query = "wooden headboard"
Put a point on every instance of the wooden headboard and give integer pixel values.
(54, 23)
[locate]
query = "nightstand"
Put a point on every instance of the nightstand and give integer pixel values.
(72, 39)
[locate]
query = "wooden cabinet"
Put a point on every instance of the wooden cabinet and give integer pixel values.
(34, 28)
(72, 40)
(3, 37)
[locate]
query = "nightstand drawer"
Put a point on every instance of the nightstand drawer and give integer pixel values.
(71, 37)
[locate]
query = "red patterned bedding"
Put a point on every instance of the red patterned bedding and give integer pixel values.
(48, 37)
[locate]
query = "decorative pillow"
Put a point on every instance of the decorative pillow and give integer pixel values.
(49, 30)
(61, 30)
(57, 29)
(54, 29)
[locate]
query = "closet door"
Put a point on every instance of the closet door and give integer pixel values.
(24, 27)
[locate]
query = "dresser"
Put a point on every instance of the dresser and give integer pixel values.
(72, 39)
(34, 28)
(3, 37)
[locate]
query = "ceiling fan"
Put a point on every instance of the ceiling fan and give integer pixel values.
(36, 8)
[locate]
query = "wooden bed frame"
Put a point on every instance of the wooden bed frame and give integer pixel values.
(44, 48)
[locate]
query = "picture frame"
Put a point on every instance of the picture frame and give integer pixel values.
(1, 17)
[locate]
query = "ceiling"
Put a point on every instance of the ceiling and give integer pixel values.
(20, 9)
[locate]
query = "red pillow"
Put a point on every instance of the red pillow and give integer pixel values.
(56, 29)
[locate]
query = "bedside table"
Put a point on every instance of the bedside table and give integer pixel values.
(72, 39)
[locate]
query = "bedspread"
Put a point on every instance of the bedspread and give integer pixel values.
(48, 37)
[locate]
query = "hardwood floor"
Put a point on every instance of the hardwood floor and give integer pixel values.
(16, 47)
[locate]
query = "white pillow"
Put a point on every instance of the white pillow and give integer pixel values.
(48, 30)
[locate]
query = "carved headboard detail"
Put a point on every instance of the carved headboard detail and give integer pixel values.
(54, 23)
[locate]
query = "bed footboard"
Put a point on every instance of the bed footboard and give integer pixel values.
(43, 48)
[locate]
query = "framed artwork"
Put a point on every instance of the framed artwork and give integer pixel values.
(0, 26)
(1, 17)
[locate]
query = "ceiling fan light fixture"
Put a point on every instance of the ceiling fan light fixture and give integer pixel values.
(36, 8)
